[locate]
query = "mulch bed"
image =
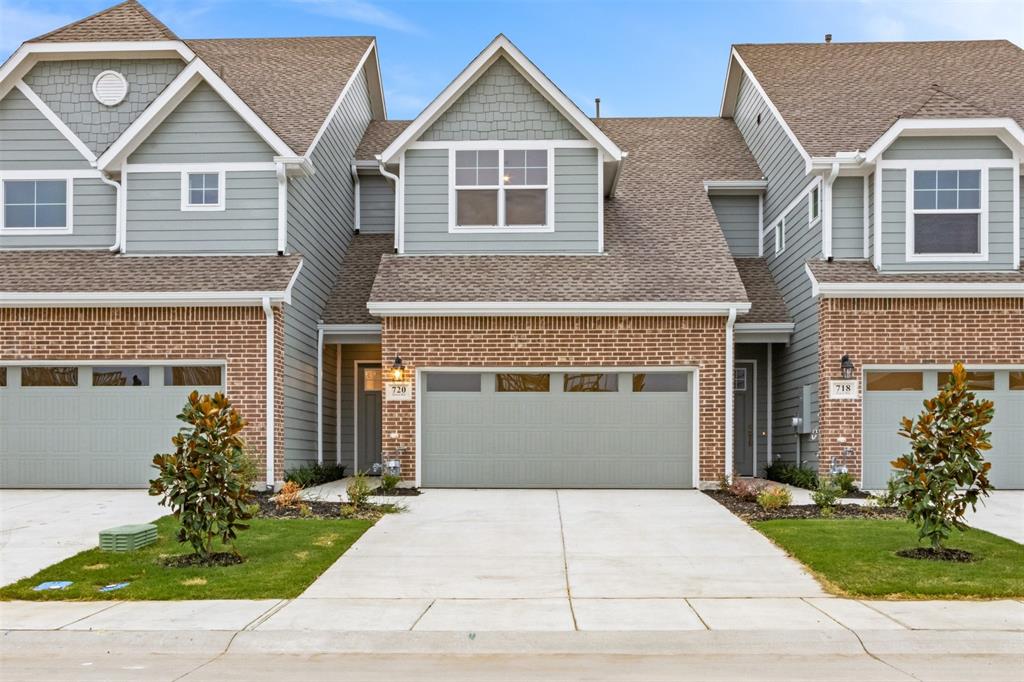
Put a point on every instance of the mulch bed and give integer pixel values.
(751, 511)
(960, 556)
(397, 492)
(317, 510)
(215, 559)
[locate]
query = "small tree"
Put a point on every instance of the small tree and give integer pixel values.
(203, 481)
(944, 470)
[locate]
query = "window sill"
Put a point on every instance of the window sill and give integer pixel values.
(519, 229)
(34, 231)
(947, 258)
(202, 208)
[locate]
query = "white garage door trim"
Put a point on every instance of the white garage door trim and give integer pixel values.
(694, 371)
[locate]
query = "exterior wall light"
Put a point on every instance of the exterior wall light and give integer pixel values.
(846, 364)
(397, 370)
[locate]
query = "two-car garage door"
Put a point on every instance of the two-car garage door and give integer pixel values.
(557, 429)
(95, 425)
(890, 394)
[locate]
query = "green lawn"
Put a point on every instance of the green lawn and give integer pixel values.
(858, 557)
(283, 556)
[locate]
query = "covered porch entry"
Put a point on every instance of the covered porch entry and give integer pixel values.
(350, 398)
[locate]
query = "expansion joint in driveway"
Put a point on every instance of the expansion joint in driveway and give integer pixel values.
(565, 562)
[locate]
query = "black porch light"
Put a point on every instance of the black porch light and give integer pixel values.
(846, 365)
(397, 370)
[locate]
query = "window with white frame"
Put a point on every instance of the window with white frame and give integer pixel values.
(947, 213)
(502, 188)
(780, 236)
(814, 205)
(36, 206)
(202, 191)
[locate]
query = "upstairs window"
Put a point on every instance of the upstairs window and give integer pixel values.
(947, 214)
(814, 206)
(36, 206)
(501, 188)
(202, 191)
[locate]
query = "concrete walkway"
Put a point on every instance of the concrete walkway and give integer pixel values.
(41, 527)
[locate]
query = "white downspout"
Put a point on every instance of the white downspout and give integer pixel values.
(118, 211)
(320, 395)
(730, 353)
(398, 199)
(356, 217)
(268, 313)
(826, 210)
(282, 207)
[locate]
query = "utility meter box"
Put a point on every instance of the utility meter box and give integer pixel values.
(127, 538)
(802, 422)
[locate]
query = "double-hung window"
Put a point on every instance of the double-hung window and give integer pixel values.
(814, 206)
(946, 217)
(35, 207)
(501, 189)
(202, 191)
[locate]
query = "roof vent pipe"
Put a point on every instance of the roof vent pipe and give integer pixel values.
(597, 107)
(828, 38)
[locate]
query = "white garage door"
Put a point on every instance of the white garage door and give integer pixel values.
(565, 429)
(890, 394)
(92, 426)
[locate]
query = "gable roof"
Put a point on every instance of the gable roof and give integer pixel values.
(841, 97)
(127, 21)
(377, 136)
(502, 47)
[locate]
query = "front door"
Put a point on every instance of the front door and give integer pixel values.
(368, 410)
(743, 420)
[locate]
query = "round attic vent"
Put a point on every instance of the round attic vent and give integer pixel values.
(110, 88)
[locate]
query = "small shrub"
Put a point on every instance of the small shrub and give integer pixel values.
(786, 472)
(288, 496)
(745, 489)
(845, 482)
(945, 470)
(202, 480)
(389, 482)
(358, 491)
(826, 494)
(305, 511)
(724, 482)
(774, 497)
(249, 472)
(309, 475)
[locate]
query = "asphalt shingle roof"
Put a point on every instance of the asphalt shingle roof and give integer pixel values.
(864, 272)
(102, 271)
(377, 137)
(127, 21)
(844, 96)
(662, 240)
(766, 302)
(347, 303)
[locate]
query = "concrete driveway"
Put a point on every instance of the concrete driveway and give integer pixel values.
(551, 560)
(41, 527)
(1001, 513)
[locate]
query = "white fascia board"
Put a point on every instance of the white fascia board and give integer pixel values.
(350, 328)
(775, 112)
(344, 91)
(735, 186)
(501, 46)
(93, 299)
(553, 308)
(940, 126)
(913, 289)
(186, 81)
(56, 122)
(765, 326)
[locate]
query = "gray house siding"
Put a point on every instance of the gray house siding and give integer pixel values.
(376, 205)
(1000, 223)
(94, 207)
(737, 216)
(794, 365)
(29, 142)
(66, 87)
(848, 218)
(156, 223)
(426, 208)
(203, 129)
(960, 147)
(501, 105)
(320, 211)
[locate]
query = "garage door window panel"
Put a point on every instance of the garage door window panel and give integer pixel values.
(660, 382)
(1017, 380)
(976, 381)
(3, 377)
(591, 382)
(453, 382)
(522, 383)
(895, 381)
(120, 376)
(49, 377)
(189, 375)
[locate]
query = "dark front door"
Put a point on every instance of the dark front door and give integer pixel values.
(368, 395)
(743, 420)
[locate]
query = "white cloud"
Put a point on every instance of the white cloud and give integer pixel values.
(360, 12)
(19, 23)
(948, 19)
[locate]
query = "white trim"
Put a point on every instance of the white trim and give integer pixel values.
(866, 211)
(50, 174)
(760, 225)
(1016, 211)
(357, 199)
(939, 126)
(320, 396)
(341, 96)
(910, 255)
(351, 328)
(765, 326)
(555, 308)
(944, 164)
(730, 369)
(269, 406)
(755, 436)
(600, 205)
(501, 144)
(692, 370)
(772, 108)
(501, 188)
(56, 122)
(501, 47)
(943, 367)
(812, 219)
(769, 445)
(281, 175)
(780, 235)
(735, 186)
(210, 167)
(913, 289)
(825, 210)
(337, 403)
(168, 100)
(69, 215)
(221, 191)
(876, 258)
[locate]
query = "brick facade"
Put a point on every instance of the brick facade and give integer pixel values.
(235, 335)
(884, 331)
(559, 341)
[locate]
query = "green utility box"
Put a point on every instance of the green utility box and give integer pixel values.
(127, 538)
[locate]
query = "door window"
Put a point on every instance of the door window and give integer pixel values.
(371, 379)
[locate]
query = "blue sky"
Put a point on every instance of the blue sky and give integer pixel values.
(641, 58)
